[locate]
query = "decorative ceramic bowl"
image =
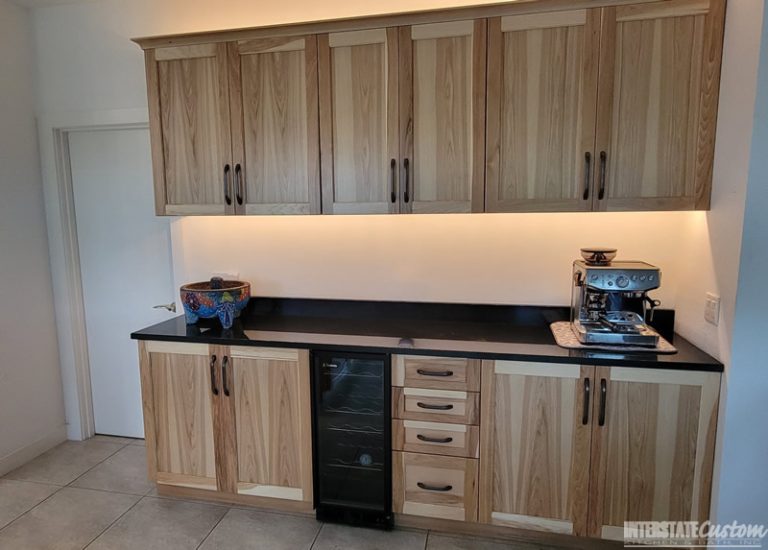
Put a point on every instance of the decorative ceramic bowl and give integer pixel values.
(215, 298)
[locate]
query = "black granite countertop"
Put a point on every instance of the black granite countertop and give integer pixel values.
(518, 333)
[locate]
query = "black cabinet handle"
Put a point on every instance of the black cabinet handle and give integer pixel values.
(440, 489)
(225, 386)
(214, 389)
(585, 414)
(603, 394)
(407, 166)
(227, 193)
(587, 173)
(603, 162)
(239, 184)
(430, 407)
(444, 373)
(427, 439)
(393, 190)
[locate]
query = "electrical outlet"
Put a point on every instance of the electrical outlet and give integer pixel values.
(712, 309)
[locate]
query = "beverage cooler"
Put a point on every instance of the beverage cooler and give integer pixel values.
(351, 438)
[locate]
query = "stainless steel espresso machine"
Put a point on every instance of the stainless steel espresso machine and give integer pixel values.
(610, 302)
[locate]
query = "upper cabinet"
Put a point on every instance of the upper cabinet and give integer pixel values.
(273, 107)
(659, 72)
(359, 122)
(442, 116)
(542, 93)
(189, 125)
(611, 107)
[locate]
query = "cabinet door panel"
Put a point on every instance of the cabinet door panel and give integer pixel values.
(442, 101)
(358, 117)
(542, 90)
(657, 110)
(274, 119)
(534, 446)
(178, 418)
(189, 121)
(272, 411)
(652, 458)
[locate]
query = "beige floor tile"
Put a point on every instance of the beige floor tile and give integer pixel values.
(66, 462)
(112, 439)
(123, 472)
(162, 524)
(450, 542)
(257, 530)
(68, 520)
(139, 442)
(342, 537)
(16, 497)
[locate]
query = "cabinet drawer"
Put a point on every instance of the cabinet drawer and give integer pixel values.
(440, 373)
(435, 486)
(436, 405)
(435, 438)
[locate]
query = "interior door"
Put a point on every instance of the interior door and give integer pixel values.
(180, 387)
(125, 266)
(442, 121)
(542, 94)
(274, 110)
(535, 445)
(272, 409)
(359, 121)
(659, 75)
(189, 120)
(653, 444)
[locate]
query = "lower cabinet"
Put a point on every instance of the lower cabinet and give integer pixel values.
(581, 450)
(235, 421)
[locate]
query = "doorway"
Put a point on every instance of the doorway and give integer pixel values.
(125, 265)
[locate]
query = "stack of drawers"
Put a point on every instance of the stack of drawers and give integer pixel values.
(435, 436)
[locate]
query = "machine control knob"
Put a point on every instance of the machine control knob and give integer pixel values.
(622, 281)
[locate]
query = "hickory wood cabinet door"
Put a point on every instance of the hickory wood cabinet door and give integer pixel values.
(657, 106)
(535, 446)
(359, 121)
(189, 126)
(178, 404)
(267, 439)
(442, 116)
(274, 112)
(542, 94)
(653, 443)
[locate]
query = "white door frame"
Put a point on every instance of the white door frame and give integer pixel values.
(54, 130)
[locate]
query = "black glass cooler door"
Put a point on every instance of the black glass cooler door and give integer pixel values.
(352, 436)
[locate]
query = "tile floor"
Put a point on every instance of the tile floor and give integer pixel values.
(94, 494)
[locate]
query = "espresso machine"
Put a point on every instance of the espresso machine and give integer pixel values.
(610, 301)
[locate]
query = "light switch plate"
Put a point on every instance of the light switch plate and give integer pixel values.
(712, 309)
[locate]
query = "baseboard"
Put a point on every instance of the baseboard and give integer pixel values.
(17, 458)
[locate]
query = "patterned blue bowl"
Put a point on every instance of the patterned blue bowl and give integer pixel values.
(215, 298)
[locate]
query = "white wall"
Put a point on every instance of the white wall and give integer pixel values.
(31, 407)
(744, 478)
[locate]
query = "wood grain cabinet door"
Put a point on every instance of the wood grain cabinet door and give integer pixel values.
(189, 125)
(274, 101)
(535, 445)
(270, 395)
(442, 120)
(542, 93)
(178, 404)
(359, 121)
(653, 444)
(657, 106)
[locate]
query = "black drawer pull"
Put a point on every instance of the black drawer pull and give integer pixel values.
(444, 373)
(214, 389)
(224, 363)
(603, 396)
(585, 414)
(434, 407)
(427, 439)
(440, 489)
